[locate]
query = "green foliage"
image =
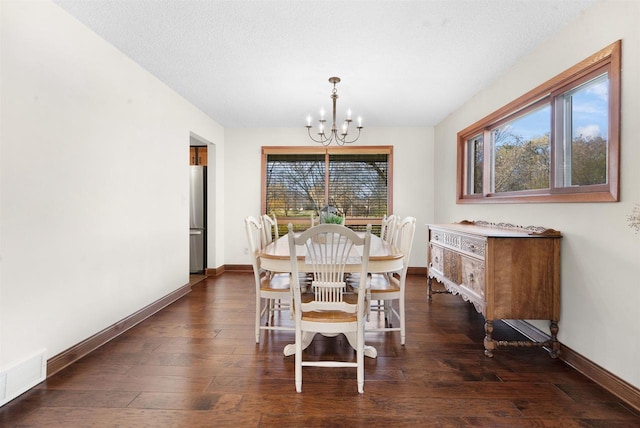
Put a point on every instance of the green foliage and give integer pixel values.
(634, 219)
(525, 164)
(521, 165)
(588, 161)
(331, 219)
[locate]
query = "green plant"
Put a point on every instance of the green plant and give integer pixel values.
(634, 218)
(332, 219)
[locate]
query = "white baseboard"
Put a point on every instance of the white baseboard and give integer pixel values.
(21, 377)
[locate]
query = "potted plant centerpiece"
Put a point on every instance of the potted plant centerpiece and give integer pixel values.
(330, 215)
(332, 219)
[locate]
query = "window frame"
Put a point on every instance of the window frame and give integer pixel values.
(326, 151)
(607, 60)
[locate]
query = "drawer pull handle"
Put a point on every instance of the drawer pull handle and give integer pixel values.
(435, 259)
(470, 277)
(472, 247)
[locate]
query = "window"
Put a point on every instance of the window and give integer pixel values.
(557, 143)
(582, 160)
(520, 150)
(302, 181)
(475, 147)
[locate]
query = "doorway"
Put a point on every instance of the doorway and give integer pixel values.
(199, 206)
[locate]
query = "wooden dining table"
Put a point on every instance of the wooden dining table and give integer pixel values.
(383, 257)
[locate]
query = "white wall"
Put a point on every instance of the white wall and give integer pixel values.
(412, 180)
(94, 186)
(600, 253)
(93, 183)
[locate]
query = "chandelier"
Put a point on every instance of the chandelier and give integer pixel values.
(339, 136)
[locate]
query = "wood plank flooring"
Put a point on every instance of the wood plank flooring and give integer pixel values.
(196, 364)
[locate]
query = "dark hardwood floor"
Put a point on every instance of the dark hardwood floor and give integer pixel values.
(195, 364)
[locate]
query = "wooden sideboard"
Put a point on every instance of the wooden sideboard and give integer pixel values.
(505, 271)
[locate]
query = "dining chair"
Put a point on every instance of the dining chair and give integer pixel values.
(387, 234)
(328, 308)
(269, 228)
(384, 289)
(273, 292)
(388, 228)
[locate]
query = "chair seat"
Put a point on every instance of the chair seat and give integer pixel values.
(277, 282)
(329, 316)
(377, 283)
(380, 284)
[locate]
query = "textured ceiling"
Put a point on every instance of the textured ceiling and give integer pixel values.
(267, 63)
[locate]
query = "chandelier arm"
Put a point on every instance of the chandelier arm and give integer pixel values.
(321, 140)
(344, 138)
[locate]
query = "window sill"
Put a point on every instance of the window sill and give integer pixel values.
(538, 198)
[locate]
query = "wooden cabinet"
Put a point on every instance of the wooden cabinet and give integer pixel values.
(198, 155)
(505, 271)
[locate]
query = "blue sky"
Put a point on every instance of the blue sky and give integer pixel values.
(589, 108)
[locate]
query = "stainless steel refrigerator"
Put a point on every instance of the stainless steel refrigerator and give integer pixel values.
(197, 219)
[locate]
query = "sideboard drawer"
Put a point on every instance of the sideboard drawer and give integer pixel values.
(452, 266)
(473, 276)
(437, 257)
(459, 242)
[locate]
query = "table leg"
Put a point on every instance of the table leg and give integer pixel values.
(307, 338)
(369, 351)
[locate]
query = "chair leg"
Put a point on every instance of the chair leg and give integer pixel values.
(272, 315)
(403, 332)
(360, 359)
(273, 304)
(258, 316)
(298, 363)
(388, 312)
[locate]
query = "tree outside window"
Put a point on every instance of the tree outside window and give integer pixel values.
(300, 182)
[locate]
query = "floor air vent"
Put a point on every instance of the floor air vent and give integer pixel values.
(22, 376)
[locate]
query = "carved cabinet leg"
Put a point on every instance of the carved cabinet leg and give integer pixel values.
(555, 345)
(429, 289)
(489, 343)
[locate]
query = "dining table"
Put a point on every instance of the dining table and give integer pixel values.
(383, 257)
